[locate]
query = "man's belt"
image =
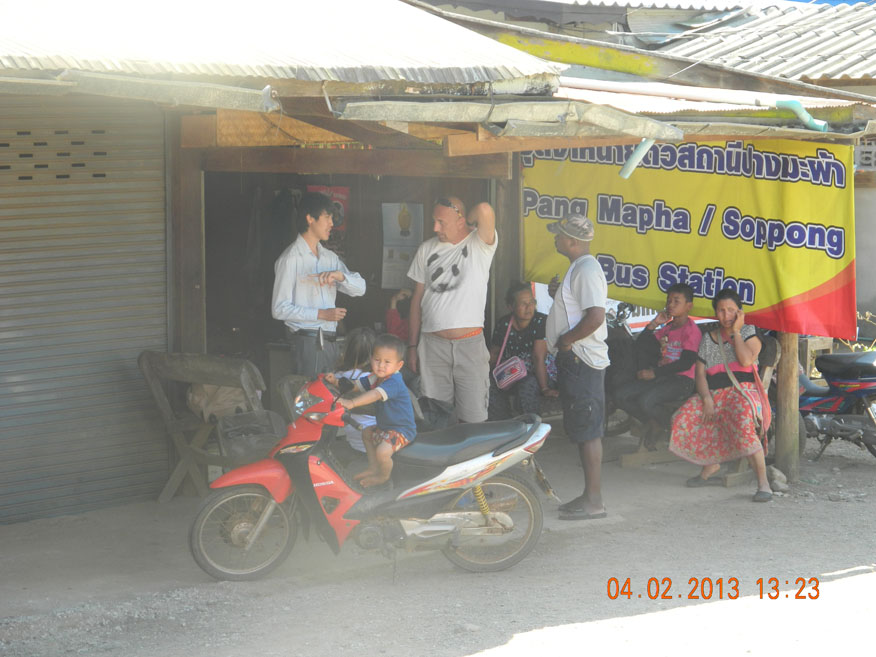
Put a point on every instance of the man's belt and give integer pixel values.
(314, 333)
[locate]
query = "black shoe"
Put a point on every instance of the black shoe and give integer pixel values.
(573, 506)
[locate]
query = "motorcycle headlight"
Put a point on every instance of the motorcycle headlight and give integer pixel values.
(304, 401)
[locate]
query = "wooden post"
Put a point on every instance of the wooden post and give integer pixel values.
(188, 309)
(788, 411)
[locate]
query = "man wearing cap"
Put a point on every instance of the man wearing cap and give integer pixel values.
(307, 278)
(446, 343)
(576, 331)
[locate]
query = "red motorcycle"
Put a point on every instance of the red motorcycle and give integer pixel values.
(462, 490)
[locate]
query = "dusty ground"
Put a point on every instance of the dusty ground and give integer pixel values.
(121, 582)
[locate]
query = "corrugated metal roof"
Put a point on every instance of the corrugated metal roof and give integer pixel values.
(693, 117)
(660, 103)
(797, 41)
(343, 40)
(533, 5)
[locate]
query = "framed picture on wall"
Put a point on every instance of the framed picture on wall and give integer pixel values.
(402, 234)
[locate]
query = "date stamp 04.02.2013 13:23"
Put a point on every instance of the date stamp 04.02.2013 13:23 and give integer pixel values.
(708, 588)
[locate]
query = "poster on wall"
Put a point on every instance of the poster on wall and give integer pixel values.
(402, 235)
(774, 220)
(340, 197)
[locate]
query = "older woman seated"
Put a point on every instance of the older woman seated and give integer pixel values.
(525, 339)
(719, 423)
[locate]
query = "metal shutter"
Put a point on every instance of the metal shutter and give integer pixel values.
(83, 289)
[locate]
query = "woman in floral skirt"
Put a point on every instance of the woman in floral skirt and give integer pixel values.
(718, 423)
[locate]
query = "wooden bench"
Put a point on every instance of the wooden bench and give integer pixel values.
(189, 432)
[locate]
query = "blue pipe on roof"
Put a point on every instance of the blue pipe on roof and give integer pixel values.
(808, 120)
(636, 157)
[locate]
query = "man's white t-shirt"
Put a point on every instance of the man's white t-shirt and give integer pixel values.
(454, 278)
(584, 286)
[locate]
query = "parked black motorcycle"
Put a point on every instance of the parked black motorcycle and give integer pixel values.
(622, 370)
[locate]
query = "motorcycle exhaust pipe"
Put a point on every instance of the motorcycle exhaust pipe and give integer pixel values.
(428, 535)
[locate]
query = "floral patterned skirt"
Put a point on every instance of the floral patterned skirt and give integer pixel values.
(732, 433)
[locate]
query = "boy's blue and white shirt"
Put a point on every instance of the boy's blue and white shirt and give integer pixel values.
(395, 410)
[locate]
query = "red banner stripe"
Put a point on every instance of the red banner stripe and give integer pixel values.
(814, 312)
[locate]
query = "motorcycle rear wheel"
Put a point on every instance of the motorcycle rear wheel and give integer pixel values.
(509, 494)
(219, 532)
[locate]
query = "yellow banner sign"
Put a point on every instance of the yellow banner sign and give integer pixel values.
(774, 220)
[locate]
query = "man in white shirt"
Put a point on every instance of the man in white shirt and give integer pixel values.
(446, 343)
(307, 277)
(576, 331)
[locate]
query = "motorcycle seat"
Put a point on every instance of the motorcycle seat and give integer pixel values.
(847, 366)
(459, 443)
(812, 389)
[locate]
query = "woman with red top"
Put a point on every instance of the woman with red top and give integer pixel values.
(718, 423)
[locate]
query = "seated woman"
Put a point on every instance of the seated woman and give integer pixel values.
(526, 340)
(718, 423)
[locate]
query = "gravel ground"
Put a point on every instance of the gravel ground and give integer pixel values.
(62, 597)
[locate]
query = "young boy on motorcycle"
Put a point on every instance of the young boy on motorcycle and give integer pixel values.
(386, 389)
(674, 347)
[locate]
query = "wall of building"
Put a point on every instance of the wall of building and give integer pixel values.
(865, 248)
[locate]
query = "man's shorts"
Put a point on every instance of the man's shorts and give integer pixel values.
(582, 393)
(394, 439)
(456, 372)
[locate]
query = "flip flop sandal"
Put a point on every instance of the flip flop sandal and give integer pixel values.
(699, 482)
(582, 515)
(762, 496)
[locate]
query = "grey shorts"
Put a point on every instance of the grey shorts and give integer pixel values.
(582, 393)
(456, 372)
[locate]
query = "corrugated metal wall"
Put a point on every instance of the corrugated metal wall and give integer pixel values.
(82, 292)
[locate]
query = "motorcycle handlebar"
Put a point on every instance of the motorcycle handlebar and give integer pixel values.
(348, 419)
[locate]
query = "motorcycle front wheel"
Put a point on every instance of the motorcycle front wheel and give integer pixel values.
(508, 494)
(220, 536)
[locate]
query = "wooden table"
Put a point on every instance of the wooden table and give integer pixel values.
(809, 348)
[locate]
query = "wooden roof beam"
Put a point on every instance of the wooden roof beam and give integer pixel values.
(469, 145)
(420, 163)
(371, 133)
(230, 128)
